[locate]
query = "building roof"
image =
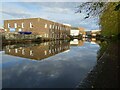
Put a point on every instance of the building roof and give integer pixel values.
(66, 24)
(74, 28)
(42, 19)
(78, 28)
(95, 30)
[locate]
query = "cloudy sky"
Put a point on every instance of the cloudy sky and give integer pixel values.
(63, 12)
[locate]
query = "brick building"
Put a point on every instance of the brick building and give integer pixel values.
(38, 26)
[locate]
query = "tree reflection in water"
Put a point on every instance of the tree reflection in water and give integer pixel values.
(105, 73)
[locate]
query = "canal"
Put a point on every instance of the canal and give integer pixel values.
(56, 64)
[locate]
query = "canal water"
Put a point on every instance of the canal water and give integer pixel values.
(56, 64)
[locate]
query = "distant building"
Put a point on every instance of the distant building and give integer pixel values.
(75, 31)
(38, 26)
(93, 33)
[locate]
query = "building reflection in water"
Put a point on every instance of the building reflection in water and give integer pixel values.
(37, 51)
(77, 42)
(44, 50)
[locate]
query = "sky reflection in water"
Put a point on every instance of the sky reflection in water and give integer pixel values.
(65, 69)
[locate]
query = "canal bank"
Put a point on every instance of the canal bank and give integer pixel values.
(105, 74)
(12, 38)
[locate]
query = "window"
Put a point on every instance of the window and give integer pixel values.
(31, 26)
(22, 25)
(15, 25)
(60, 28)
(56, 27)
(46, 35)
(50, 26)
(45, 25)
(53, 26)
(8, 25)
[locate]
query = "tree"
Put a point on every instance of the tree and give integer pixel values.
(108, 12)
(95, 8)
(109, 20)
(92, 8)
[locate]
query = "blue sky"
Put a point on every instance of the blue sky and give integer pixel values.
(63, 12)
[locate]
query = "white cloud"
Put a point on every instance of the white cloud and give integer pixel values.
(45, 1)
(57, 10)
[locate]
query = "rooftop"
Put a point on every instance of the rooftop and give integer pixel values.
(42, 19)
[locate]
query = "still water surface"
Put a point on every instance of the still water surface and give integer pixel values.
(47, 65)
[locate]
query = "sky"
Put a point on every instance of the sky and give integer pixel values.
(62, 12)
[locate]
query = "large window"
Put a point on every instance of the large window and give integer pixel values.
(46, 35)
(15, 25)
(22, 25)
(50, 26)
(8, 25)
(60, 27)
(53, 26)
(45, 25)
(31, 26)
(56, 27)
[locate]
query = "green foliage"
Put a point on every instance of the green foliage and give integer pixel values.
(109, 20)
(109, 13)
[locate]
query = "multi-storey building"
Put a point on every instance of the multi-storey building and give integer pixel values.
(75, 31)
(38, 26)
